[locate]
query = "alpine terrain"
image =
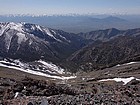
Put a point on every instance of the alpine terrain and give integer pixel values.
(45, 66)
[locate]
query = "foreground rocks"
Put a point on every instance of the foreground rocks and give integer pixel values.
(107, 94)
(36, 92)
(12, 91)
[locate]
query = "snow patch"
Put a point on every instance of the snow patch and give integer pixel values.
(30, 42)
(16, 94)
(130, 63)
(64, 38)
(53, 31)
(127, 63)
(118, 65)
(2, 29)
(37, 26)
(124, 80)
(8, 39)
(52, 66)
(16, 26)
(48, 32)
(10, 25)
(25, 68)
(21, 37)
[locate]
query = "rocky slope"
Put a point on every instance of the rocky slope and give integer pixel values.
(94, 92)
(105, 54)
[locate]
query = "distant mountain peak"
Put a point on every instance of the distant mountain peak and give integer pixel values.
(113, 18)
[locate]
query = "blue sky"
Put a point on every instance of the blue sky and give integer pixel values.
(69, 6)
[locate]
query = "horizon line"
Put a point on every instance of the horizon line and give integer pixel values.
(67, 14)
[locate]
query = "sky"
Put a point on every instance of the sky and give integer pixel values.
(40, 7)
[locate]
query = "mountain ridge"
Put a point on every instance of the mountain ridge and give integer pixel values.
(30, 41)
(108, 34)
(101, 55)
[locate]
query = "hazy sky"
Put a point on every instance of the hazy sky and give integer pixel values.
(69, 6)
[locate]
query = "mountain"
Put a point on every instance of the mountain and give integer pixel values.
(29, 77)
(30, 42)
(76, 23)
(100, 55)
(113, 19)
(108, 34)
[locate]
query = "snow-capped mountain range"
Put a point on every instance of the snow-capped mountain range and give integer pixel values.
(31, 42)
(26, 32)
